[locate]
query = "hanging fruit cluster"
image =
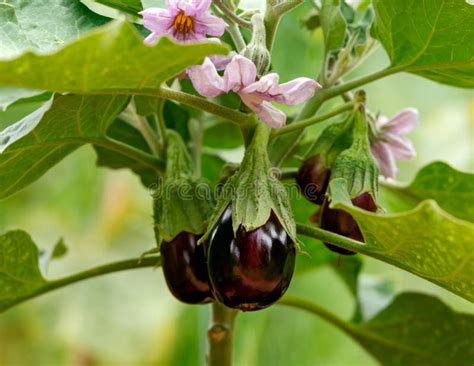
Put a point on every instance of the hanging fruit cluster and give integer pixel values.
(342, 152)
(246, 258)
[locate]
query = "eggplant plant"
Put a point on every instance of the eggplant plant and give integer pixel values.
(163, 89)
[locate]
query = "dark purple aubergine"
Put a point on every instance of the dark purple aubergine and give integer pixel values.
(185, 269)
(313, 179)
(252, 270)
(342, 223)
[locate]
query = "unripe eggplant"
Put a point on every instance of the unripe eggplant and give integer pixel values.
(252, 270)
(185, 269)
(340, 222)
(313, 179)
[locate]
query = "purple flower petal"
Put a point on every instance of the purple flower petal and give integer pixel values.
(266, 87)
(401, 147)
(157, 20)
(220, 61)
(272, 116)
(206, 80)
(209, 24)
(198, 7)
(239, 73)
(297, 91)
(174, 6)
(386, 161)
(404, 122)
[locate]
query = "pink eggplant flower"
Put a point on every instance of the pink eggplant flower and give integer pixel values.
(182, 20)
(391, 144)
(240, 76)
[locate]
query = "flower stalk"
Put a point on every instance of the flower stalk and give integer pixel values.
(313, 120)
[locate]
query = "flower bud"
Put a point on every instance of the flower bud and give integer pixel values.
(256, 50)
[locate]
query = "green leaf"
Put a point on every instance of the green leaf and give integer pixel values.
(128, 6)
(414, 329)
(51, 133)
(9, 95)
(101, 62)
(42, 26)
(20, 274)
(430, 38)
(333, 24)
(451, 189)
(425, 241)
(123, 132)
(417, 329)
(220, 134)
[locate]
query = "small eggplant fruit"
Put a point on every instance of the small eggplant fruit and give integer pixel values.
(252, 270)
(313, 179)
(185, 269)
(340, 222)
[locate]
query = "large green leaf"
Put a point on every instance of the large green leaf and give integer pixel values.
(20, 274)
(417, 329)
(425, 241)
(414, 329)
(42, 26)
(109, 60)
(333, 24)
(41, 139)
(451, 189)
(430, 38)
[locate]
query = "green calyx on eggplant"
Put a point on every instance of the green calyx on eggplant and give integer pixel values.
(342, 223)
(250, 270)
(185, 269)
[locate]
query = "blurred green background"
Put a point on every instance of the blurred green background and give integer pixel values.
(130, 318)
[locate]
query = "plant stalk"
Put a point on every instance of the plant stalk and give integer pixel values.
(135, 263)
(199, 103)
(131, 152)
(313, 120)
(220, 335)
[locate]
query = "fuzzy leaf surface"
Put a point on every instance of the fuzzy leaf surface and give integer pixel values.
(100, 63)
(430, 38)
(425, 241)
(33, 145)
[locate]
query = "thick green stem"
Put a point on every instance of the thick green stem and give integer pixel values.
(313, 120)
(339, 89)
(131, 152)
(88, 274)
(199, 103)
(330, 237)
(220, 335)
(236, 36)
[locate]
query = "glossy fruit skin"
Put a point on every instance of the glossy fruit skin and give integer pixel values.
(254, 269)
(340, 222)
(185, 269)
(313, 179)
